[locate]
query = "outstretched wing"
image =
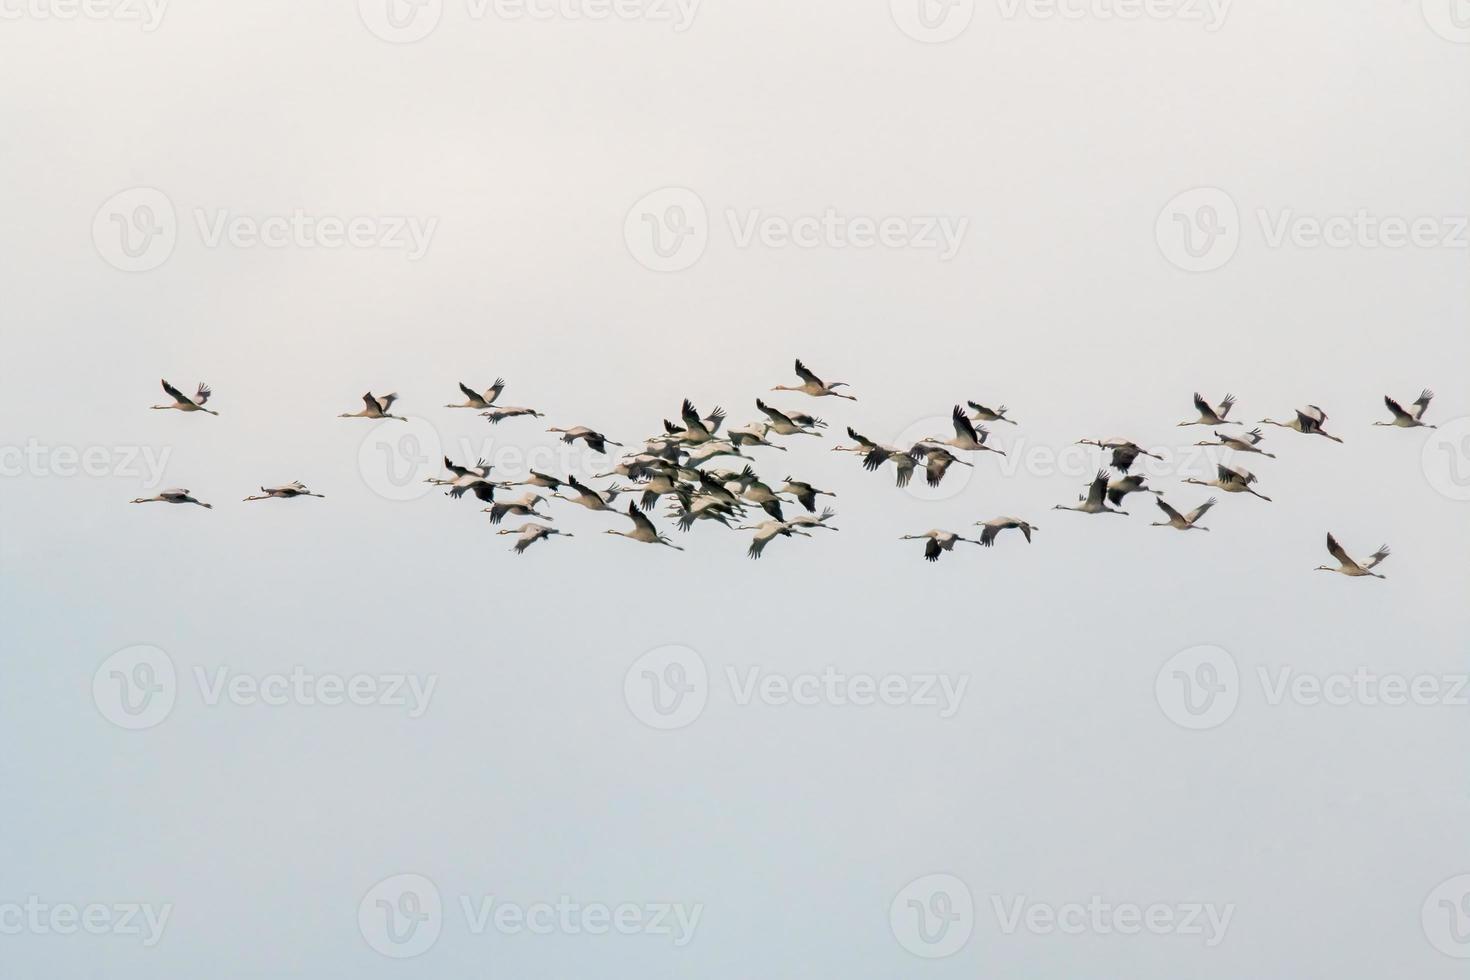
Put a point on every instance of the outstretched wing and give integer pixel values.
(1203, 406)
(1336, 550)
(987, 536)
(1396, 408)
(640, 520)
(202, 392)
(1201, 510)
(1169, 512)
(931, 550)
(385, 402)
(1228, 475)
(175, 393)
(692, 421)
(493, 392)
(1098, 489)
(962, 427)
(861, 440)
(1422, 402)
(1377, 556)
(805, 374)
(773, 414)
(473, 395)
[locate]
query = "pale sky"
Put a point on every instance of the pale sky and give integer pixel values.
(496, 174)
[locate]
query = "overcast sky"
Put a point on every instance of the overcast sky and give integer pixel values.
(1086, 212)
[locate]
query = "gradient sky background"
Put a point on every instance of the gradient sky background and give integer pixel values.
(528, 777)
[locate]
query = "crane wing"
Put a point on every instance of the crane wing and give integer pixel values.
(1422, 402)
(1336, 550)
(1170, 512)
(1202, 509)
(962, 427)
(1396, 408)
(175, 393)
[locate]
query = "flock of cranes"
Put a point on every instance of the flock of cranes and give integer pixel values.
(671, 465)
